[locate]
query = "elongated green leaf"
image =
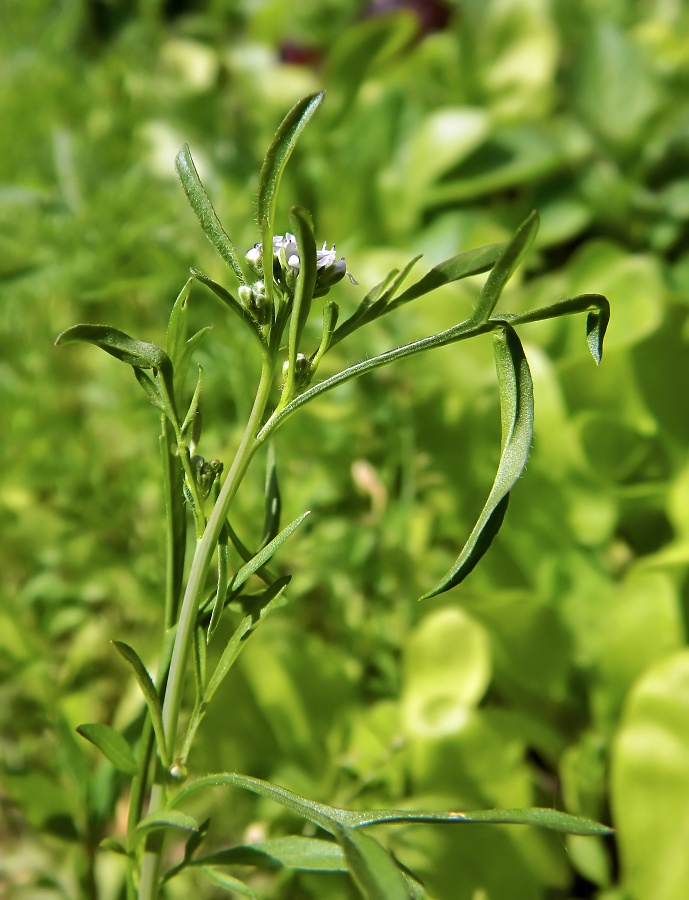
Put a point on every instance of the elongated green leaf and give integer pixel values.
(153, 392)
(117, 344)
(516, 413)
(596, 322)
(300, 220)
(111, 743)
(368, 309)
(265, 554)
(279, 152)
(175, 523)
(220, 594)
(233, 304)
(258, 610)
(167, 818)
(371, 866)
(273, 503)
(228, 883)
(204, 212)
(151, 697)
(463, 265)
(113, 846)
(504, 268)
(329, 817)
(178, 325)
(294, 852)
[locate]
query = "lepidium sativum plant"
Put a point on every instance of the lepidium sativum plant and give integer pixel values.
(279, 280)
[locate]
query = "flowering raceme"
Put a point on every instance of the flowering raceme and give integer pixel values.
(286, 264)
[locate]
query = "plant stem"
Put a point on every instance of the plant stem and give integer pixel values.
(205, 548)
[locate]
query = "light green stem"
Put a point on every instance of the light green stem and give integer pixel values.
(205, 548)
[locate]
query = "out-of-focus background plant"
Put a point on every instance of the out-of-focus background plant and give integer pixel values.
(558, 673)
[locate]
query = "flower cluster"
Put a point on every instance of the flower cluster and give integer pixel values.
(286, 264)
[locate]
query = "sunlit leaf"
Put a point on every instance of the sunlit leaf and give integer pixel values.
(265, 554)
(516, 413)
(294, 852)
(204, 212)
(167, 818)
(372, 867)
(223, 294)
(272, 503)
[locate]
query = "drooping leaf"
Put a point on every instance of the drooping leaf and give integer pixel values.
(373, 869)
(112, 744)
(204, 212)
(504, 267)
(151, 697)
(265, 554)
(516, 413)
(463, 265)
(596, 321)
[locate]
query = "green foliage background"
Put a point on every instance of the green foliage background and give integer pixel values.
(558, 674)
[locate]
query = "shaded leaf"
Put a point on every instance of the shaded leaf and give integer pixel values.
(204, 212)
(114, 846)
(178, 325)
(371, 866)
(112, 744)
(223, 294)
(228, 883)
(118, 344)
(167, 818)
(294, 852)
(273, 504)
(516, 413)
(150, 693)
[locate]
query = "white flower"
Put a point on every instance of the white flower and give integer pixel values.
(329, 269)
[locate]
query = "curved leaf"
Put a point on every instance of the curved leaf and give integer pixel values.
(273, 503)
(516, 414)
(300, 220)
(371, 866)
(117, 344)
(223, 294)
(168, 818)
(596, 321)
(294, 852)
(148, 689)
(204, 212)
(463, 265)
(111, 743)
(279, 152)
(329, 818)
(504, 268)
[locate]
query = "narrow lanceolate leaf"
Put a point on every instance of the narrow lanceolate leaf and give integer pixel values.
(597, 320)
(111, 743)
(152, 390)
(221, 592)
(504, 268)
(302, 853)
(168, 818)
(279, 152)
(150, 693)
(463, 265)
(178, 325)
(204, 212)
(300, 220)
(223, 294)
(273, 503)
(330, 817)
(229, 883)
(516, 413)
(265, 554)
(259, 610)
(373, 869)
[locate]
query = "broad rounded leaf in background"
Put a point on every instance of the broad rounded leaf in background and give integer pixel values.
(650, 783)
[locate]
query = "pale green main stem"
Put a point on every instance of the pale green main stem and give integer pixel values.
(205, 548)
